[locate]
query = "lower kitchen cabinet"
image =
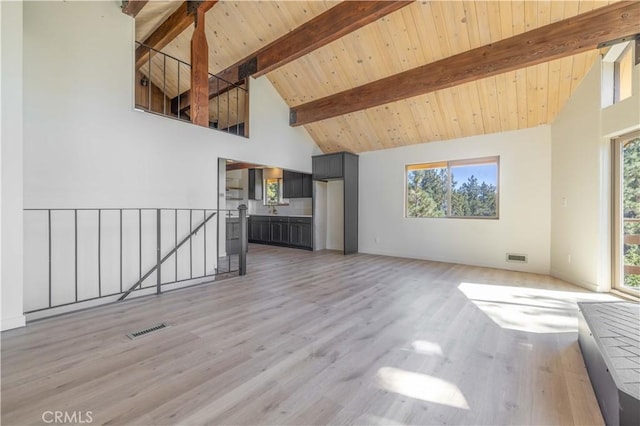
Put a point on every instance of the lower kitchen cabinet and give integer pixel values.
(300, 231)
(280, 230)
(233, 236)
(286, 231)
(259, 230)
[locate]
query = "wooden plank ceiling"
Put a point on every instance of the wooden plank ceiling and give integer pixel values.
(415, 35)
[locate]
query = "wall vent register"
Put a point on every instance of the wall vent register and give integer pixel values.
(513, 257)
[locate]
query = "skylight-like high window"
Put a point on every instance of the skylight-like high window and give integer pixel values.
(617, 73)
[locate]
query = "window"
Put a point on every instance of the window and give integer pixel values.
(617, 73)
(622, 75)
(626, 236)
(273, 193)
(461, 188)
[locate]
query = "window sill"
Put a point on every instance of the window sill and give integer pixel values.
(455, 217)
(625, 295)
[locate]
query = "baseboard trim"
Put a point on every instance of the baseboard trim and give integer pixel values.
(13, 322)
(506, 267)
(146, 292)
(579, 283)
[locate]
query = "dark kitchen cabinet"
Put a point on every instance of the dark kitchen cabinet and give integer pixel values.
(350, 203)
(255, 184)
(259, 230)
(291, 184)
(287, 231)
(307, 186)
(296, 185)
(329, 166)
(300, 232)
(280, 230)
(233, 236)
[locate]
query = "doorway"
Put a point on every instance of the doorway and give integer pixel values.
(626, 211)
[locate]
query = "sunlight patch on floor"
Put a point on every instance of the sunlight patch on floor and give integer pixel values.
(370, 419)
(528, 309)
(421, 386)
(424, 347)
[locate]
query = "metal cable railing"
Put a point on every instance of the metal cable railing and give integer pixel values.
(163, 87)
(76, 255)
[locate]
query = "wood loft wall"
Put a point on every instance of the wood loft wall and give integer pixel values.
(227, 110)
(150, 91)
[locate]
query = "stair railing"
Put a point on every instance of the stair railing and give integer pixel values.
(158, 265)
(78, 255)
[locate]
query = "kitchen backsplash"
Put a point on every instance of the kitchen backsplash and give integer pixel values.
(297, 206)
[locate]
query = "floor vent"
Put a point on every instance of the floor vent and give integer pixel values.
(520, 258)
(147, 331)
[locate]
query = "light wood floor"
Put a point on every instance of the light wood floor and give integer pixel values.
(315, 338)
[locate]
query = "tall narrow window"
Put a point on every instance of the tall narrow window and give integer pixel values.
(617, 73)
(622, 76)
(461, 188)
(626, 268)
(272, 191)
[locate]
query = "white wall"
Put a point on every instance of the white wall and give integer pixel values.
(581, 181)
(85, 145)
(524, 222)
(11, 140)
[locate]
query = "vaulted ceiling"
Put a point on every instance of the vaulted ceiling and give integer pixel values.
(412, 36)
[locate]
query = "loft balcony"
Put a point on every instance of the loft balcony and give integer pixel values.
(163, 86)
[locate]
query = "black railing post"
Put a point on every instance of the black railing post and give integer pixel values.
(158, 253)
(242, 256)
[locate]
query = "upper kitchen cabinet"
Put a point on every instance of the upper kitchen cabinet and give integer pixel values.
(296, 185)
(307, 186)
(291, 184)
(329, 166)
(255, 184)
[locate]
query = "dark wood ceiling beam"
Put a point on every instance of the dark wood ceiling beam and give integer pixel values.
(199, 71)
(172, 27)
(564, 38)
(329, 26)
(133, 7)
